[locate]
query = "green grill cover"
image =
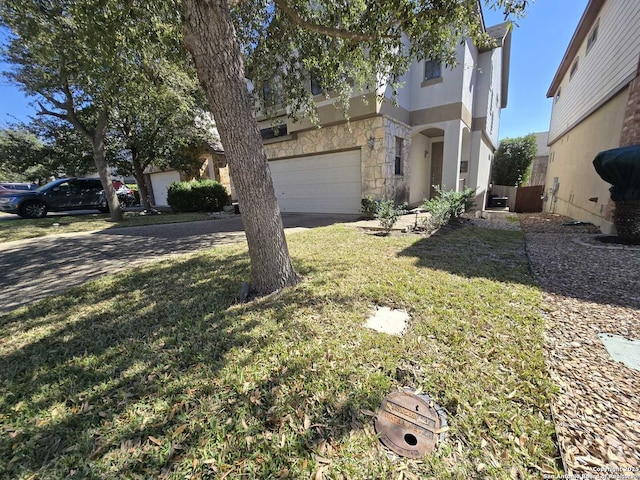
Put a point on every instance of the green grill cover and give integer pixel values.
(621, 168)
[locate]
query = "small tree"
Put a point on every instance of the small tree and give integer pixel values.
(512, 162)
(387, 213)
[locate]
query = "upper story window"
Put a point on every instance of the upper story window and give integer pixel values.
(273, 132)
(593, 36)
(316, 86)
(558, 95)
(272, 95)
(432, 69)
(398, 157)
(574, 68)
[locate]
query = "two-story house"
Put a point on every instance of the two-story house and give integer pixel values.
(443, 131)
(596, 107)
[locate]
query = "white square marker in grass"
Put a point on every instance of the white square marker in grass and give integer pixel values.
(386, 320)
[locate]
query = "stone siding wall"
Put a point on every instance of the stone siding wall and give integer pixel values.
(397, 186)
(631, 129)
(376, 138)
(367, 134)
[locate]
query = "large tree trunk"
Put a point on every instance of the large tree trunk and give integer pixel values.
(138, 172)
(100, 160)
(211, 38)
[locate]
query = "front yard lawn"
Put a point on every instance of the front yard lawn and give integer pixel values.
(22, 228)
(158, 373)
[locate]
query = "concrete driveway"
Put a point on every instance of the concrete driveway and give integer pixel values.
(36, 268)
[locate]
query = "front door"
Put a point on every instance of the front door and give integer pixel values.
(437, 149)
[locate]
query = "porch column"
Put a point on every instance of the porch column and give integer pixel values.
(452, 153)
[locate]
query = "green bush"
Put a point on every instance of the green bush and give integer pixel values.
(197, 196)
(387, 213)
(369, 206)
(446, 206)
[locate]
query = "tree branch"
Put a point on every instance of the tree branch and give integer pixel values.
(314, 27)
(44, 111)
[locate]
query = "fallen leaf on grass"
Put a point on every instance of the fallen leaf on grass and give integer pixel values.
(179, 430)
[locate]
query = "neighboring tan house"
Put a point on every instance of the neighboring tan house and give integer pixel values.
(443, 131)
(596, 107)
(214, 166)
(541, 160)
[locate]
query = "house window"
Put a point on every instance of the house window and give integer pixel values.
(432, 69)
(574, 68)
(316, 86)
(273, 132)
(593, 36)
(398, 157)
(558, 95)
(272, 95)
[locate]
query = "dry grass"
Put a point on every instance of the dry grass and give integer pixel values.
(158, 373)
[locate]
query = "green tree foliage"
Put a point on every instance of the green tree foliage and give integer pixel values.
(33, 152)
(66, 150)
(21, 154)
(512, 162)
(164, 125)
(84, 60)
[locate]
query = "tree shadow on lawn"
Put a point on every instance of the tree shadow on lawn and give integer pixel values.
(474, 252)
(123, 378)
(501, 256)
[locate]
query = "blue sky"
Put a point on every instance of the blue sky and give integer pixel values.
(539, 42)
(538, 45)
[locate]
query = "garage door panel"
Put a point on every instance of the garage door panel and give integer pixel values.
(328, 183)
(160, 183)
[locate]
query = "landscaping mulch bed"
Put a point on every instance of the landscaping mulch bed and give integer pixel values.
(589, 289)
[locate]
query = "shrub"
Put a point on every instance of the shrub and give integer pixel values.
(197, 196)
(387, 213)
(446, 206)
(369, 206)
(512, 162)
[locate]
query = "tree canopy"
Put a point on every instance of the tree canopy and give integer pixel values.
(85, 60)
(512, 161)
(349, 46)
(35, 151)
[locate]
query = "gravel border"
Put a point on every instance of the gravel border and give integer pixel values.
(589, 288)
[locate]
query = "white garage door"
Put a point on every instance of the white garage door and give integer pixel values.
(328, 183)
(160, 183)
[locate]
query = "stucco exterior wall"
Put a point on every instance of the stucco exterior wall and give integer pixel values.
(420, 169)
(417, 94)
(571, 161)
(479, 176)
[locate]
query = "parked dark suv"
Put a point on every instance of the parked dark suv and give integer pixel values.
(57, 196)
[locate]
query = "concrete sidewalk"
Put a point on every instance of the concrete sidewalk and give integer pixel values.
(405, 222)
